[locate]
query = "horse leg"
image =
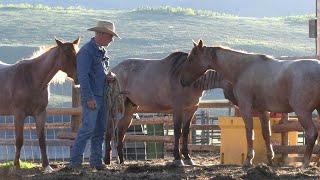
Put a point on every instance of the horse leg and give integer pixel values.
(318, 156)
(185, 136)
(177, 120)
(108, 136)
(123, 125)
(266, 133)
(305, 119)
(40, 123)
(19, 124)
(246, 113)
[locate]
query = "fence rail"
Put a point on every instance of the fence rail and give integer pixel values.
(67, 137)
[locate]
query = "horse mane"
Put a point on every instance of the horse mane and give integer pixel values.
(59, 78)
(242, 52)
(39, 52)
(177, 60)
(209, 80)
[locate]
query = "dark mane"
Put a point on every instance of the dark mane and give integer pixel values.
(208, 80)
(177, 59)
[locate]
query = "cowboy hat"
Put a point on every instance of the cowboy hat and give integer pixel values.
(105, 27)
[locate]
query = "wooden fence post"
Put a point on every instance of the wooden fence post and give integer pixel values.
(75, 119)
(318, 29)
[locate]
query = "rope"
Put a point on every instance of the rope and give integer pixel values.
(115, 107)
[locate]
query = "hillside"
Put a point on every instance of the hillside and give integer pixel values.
(155, 32)
(251, 8)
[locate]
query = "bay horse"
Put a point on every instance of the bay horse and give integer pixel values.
(154, 86)
(24, 90)
(263, 83)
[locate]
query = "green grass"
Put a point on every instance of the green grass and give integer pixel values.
(23, 165)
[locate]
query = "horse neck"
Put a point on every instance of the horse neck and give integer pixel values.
(210, 80)
(45, 67)
(231, 63)
(175, 63)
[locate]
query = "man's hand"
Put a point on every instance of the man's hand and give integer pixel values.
(92, 104)
(111, 77)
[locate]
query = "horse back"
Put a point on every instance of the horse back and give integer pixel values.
(18, 90)
(277, 84)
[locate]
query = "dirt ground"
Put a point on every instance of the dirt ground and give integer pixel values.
(208, 167)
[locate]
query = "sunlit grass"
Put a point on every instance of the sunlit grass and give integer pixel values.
(181, 11)
(23, 165)
(41, 7)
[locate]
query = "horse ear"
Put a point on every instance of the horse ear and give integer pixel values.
(59, 43)
(200, 45)
(194, 43)
(77, 41)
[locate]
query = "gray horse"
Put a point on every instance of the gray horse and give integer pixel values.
(264, 84)
(154, 86)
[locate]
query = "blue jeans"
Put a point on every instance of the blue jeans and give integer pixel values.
(93, 127)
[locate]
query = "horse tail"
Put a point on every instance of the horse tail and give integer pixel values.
(210, 80)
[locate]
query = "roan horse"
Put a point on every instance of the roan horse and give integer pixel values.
(24, 90)
(265, 84)
(154, 86)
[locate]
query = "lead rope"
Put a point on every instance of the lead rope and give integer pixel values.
(115, 109)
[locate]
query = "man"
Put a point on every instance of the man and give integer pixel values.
(92, 70)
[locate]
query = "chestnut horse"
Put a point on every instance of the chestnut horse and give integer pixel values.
(24, 90)
(154, 86)
(265, 84)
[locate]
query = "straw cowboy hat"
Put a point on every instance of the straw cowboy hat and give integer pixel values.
(106, 27)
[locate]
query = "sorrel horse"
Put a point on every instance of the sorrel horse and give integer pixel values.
(24, 90)
(154, 86)
(265, 84)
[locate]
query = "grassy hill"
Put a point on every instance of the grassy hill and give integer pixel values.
(156, 32)
(150, 32)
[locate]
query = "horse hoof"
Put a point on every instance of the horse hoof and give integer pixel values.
(189, 162)
(106, 161)
(13, 169)
(119, 161)
(48, 169)
(247, 163)
(304, 166)
(178, 163)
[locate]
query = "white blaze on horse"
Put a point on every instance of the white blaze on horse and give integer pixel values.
(24, 90)
(154, 86)
(264, 84)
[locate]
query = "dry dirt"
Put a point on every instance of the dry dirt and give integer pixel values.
(208, 167)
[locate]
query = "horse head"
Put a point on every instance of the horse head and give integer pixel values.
(198, 62)
(67, 57)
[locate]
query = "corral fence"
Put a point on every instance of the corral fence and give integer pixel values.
(149, 137)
